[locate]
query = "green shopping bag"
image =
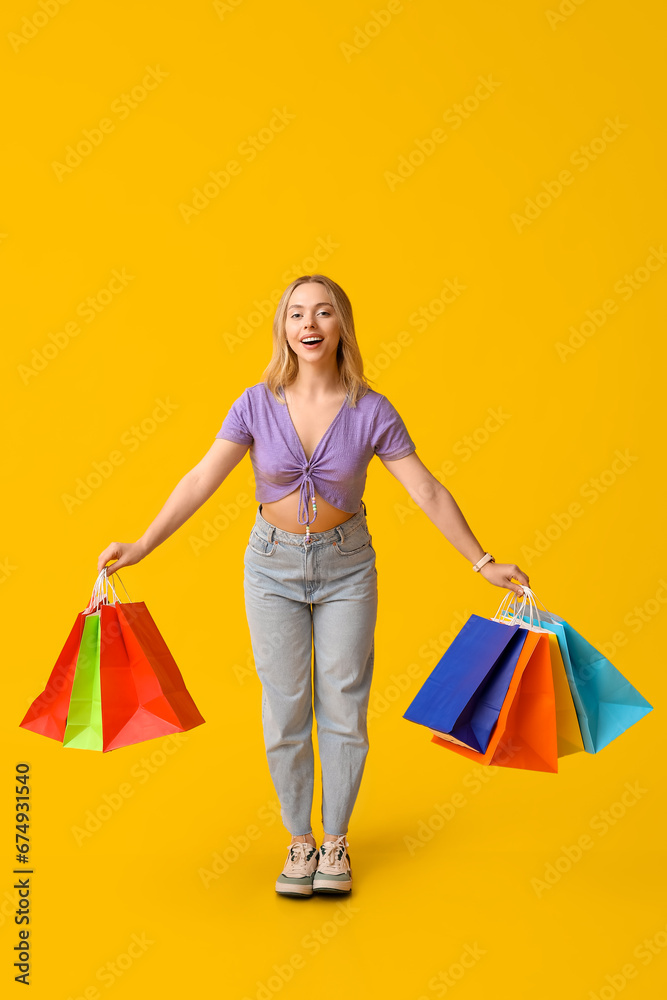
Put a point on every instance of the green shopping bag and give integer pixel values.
(84, 718)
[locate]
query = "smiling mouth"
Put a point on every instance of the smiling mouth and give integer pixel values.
(311, 341)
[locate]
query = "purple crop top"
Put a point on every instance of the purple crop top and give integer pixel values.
(337, 467)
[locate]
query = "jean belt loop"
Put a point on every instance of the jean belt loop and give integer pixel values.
(339, 531)
(364, 506)
(272, 532)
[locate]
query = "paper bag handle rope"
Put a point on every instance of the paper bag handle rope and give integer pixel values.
(511, 612)
(508, 608)
(100, 592)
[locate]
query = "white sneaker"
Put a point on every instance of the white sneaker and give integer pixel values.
(333, 869)
(296, 878)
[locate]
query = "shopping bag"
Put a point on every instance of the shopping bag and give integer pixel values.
(606, 702)
(525, 734)
(48, 713)
(84, 715)
(143, 692)
(462, 697)
(115, 682)
(567, 722)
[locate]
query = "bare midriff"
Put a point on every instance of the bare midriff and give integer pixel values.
(283, 514)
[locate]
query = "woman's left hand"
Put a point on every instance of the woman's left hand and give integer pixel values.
(503, 574)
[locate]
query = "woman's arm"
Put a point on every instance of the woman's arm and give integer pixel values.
(440, 506)
(194, 489)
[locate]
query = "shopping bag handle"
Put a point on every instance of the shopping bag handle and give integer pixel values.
(509, 608)
(100, 593)
(511, 612)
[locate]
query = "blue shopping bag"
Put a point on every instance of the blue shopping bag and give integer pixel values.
(463, 695)
(606, 702)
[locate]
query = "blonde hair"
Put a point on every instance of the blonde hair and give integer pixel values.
(283, 367)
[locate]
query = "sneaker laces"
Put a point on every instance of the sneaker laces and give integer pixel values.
(332, 854)
(298, 856)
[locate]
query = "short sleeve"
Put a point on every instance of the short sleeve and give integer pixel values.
(390, 438)
(236, 425)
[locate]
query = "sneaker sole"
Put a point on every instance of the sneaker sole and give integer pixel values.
(333, 888)
(298, 892)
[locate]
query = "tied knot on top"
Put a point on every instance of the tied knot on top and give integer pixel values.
(306, 495)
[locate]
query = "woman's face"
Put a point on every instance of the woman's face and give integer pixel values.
(311, 325)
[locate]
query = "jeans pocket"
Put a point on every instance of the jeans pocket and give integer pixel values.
(358, 541)
(260, 545)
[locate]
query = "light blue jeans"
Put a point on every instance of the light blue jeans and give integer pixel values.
(313, 605)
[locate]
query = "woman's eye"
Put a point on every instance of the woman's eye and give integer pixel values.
(322, 312)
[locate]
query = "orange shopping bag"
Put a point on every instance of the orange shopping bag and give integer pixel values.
(525, 735)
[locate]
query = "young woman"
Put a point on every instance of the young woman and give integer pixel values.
(312, 426)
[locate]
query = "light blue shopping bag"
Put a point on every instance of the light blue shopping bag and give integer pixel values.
(606, 702)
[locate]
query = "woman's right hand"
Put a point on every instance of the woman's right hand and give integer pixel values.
(125, 554)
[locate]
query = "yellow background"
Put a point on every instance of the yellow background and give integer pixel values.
(363, 94)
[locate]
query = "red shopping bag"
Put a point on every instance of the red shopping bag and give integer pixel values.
(143, 694)
(143, 691)
(48, 713)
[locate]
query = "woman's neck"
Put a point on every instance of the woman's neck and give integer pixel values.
(310, 384)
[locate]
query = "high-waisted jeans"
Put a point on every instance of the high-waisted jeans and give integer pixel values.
(319, 600)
